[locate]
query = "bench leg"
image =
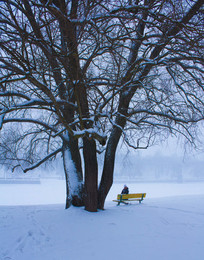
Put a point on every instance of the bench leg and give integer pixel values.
(120, 200)
(141, 198)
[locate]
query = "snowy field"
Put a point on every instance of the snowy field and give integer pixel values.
(168, 225)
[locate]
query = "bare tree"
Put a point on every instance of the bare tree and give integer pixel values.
(85, 73)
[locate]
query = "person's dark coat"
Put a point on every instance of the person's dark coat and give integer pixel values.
(125, 190)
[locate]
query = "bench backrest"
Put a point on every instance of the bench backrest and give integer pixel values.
(131, 196)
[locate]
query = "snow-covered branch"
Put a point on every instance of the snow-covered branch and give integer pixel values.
(43, 160)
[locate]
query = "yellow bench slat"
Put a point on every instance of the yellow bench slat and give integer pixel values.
(131, 196)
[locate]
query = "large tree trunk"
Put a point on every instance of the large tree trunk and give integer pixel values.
(91, 174)
(73, 173)
(109, 161)
(108, 169)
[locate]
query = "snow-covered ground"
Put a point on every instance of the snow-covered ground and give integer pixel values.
(168, 225)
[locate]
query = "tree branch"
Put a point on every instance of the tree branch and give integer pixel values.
(43, 160)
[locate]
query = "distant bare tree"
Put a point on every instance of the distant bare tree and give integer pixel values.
(85, 73)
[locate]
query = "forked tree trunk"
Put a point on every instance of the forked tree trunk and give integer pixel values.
(108, 168)
(109, 161)
(91, 174)
(73, 174)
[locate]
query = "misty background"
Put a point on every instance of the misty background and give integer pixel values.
(170, 161)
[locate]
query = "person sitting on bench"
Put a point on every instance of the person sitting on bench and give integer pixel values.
(125, 190)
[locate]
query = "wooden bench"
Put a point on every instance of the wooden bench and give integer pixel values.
(125, 198)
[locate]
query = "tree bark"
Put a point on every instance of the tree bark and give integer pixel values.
(108, 169)
(109, 161)
(73, 173)
(68, 201)
(91, 174)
